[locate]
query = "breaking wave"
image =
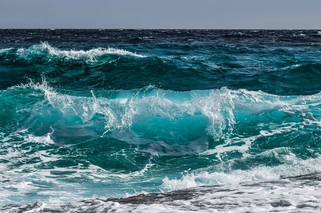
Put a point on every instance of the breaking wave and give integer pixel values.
(45, 50)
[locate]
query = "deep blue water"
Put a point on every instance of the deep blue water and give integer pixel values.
(107, 113)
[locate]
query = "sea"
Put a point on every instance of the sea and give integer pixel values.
(118, 120)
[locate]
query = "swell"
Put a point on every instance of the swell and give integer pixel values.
(45, 51)
(275, 70)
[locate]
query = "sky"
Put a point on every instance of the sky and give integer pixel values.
(161, 14)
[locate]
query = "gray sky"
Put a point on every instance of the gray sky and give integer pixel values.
(197, 14)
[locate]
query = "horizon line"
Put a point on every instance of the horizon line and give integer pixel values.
(51, 28)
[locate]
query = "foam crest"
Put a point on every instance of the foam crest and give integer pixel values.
(89, 55)
(5, 50)
(292, 166)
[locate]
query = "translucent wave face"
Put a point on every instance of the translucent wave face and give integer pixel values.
(151, 115)
(141, 113)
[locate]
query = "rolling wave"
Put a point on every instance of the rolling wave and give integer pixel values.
(47, 52)
(119, 137)
(150, 115)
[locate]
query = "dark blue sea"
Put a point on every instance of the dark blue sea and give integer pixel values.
(160, 120)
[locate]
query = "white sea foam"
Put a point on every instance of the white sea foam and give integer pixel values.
(273, 196)
(34, 177)
(5, 50)
(292, 166)
(89, 55)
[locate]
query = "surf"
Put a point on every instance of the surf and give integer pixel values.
(170, 112)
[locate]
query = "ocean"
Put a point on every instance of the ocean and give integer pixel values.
(160, 120)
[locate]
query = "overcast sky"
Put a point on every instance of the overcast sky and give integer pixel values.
(196, 14)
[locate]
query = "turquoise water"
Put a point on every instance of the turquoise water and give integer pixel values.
(116, 113)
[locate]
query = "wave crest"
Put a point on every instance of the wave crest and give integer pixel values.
(46, 50)
(89, 55)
